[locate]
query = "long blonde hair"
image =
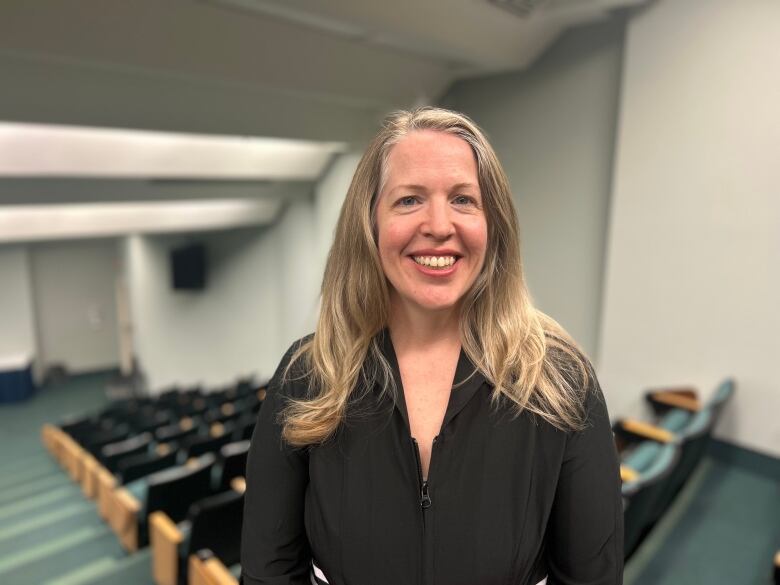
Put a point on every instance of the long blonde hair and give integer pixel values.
(523, 353)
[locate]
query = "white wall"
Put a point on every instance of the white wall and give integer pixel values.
(693, 277)
(17, 319)
(553, 128)
(213, 336)
(75, 303)
(262, 292)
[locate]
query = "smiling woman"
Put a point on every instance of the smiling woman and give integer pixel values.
(436, 428)
(431, 229)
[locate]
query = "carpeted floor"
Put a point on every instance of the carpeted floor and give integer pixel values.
(723, 529)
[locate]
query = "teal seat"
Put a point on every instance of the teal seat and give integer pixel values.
(698, 423)
(643, 493)
(643, 456)
(662, 462)
(675, 420)
(722, 393)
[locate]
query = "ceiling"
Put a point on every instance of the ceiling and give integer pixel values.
(298, 69)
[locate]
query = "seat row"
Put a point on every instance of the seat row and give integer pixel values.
(658, 456)
(167, 471)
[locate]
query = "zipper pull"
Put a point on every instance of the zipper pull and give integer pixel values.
(425, 498)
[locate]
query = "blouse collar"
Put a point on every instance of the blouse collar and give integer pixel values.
(468, 379)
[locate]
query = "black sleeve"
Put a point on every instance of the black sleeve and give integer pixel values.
(585, 543)
(274, 546)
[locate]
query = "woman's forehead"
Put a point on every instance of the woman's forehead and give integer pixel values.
(431, 159)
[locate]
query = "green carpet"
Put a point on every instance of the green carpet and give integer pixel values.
(49, 532)
(723, 528)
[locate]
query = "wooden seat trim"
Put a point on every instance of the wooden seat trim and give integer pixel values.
(164, 537)
(648, 430)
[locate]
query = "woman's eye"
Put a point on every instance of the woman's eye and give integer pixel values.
(407, 201)
(463, 200)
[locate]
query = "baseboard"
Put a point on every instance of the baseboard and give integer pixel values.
(753, 461)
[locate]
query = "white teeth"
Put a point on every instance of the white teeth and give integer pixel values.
(435, 261)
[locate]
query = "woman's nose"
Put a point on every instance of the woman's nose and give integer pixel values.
(438, 220)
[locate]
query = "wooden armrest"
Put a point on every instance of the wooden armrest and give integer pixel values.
(48, 437)
(165, 538)
(238, 484)
(677, 400)
(218, 573)
(647, 431)
(106, 483)
(123, 517)
(627, 474)
(89, 476)
(688, 391)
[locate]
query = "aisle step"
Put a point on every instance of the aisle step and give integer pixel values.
(22, 505)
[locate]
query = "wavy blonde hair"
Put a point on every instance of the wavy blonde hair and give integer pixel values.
(523, 353)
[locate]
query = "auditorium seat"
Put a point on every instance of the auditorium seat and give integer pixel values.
(196, 445)
(663, 401)
(213, 522)
(231, 463)
(131, 469)
(171, 491)
(693, 440)
(646, 471)
(110, 455)
(178, 431)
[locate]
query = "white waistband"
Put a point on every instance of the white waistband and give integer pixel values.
(318, 577)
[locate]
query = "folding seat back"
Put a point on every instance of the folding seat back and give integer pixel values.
(196, 446)
(194, 407)
(641, 494)
(693, 444)
(177, 432)
(216, 525)
(722, 396)
(231, 463)
(112, 453)
(157, 420)
(224, 413)
(77, 427)
(173, 491)
(96, 441)
(137, 466)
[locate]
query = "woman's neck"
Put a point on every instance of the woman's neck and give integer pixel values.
(412, 328)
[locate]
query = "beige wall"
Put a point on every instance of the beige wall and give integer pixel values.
(553, 128)
(693, 272)
(74, 296)
(17, 319)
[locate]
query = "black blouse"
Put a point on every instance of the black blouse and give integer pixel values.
(508, 500)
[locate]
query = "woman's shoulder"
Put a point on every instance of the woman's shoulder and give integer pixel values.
(292, 375)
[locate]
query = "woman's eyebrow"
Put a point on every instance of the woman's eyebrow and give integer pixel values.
(409, 187)
(414, 187)
(465, 186)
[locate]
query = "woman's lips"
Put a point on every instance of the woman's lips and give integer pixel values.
(430, 271)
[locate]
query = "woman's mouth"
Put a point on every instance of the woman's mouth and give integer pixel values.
(435, 262)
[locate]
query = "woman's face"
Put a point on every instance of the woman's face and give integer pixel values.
(431, 227)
